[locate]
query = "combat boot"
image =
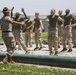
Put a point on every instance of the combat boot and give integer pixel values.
(64, 49)
(5, 60)
(10, 59)
(56, 53)
(70, 50)
(36, 48)
(40, 48)
(58, 46)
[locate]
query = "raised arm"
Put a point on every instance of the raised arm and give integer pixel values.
(24, 13)
(12, 11)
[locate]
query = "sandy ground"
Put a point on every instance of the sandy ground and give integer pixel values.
(44, 51)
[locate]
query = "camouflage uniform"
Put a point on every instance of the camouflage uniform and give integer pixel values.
(67, 35)
(60, 31)
(74, 33)
(8, 37)
(38, 33)
(28, 34)
(53, 33)
(18, 35)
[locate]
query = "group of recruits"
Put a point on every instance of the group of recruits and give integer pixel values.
(60, 31)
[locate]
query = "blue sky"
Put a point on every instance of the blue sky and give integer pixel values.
(41, 6)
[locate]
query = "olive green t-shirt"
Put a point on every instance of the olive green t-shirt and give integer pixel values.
(53, 20)
(28, 23)
(17, 26)
(67, 19)
(37, 23)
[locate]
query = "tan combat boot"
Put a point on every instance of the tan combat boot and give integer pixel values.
(5, 60)
(10, 59)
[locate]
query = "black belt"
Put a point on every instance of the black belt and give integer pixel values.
(6, 31)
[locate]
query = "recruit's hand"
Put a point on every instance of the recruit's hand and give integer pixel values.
(22, 9)
(12, 9)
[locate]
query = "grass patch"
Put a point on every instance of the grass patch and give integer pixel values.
(30, 70)
(44, 35)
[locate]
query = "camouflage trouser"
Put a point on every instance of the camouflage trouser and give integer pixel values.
(53, 38)
(38, 33)
(60, 34)
(19, 39)
(74, 36)
(67, 36)
(9, 41)
(28, 38)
